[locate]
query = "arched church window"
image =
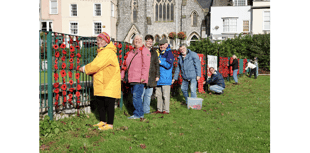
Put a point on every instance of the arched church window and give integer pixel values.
(194, 19)
(134, 9)
(164, 10)
(156, 39)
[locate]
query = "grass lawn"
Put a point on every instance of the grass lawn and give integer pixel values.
(237, 121)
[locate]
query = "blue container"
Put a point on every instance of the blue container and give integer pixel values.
(194, 103)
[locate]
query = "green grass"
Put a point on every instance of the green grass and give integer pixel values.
(237, 121)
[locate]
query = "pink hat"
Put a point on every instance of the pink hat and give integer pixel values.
(104, 36)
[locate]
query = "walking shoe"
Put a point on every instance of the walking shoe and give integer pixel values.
(164, 112)
(133, 117)
(221, 92)
(100, 124)
(106, 127)
(157, 112)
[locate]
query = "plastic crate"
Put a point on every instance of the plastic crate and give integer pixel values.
(194, 103)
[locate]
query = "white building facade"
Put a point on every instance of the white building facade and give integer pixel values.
(261, 17)
(227, 21)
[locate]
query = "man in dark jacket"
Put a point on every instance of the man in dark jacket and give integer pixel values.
(217, 83)
(189, 64)
(166, 59)
(235, 69)
(153, 75)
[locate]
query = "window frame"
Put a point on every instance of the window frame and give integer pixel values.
(94, 27)
(247, 25)
(77, 27)
(112, 10)
(229, 24)
(94, 13)
(192, 19)
(47, 25)
(266, 20)
(236, 3)
(50, 6)
(71, 10)
(133, 9)
(169, 16)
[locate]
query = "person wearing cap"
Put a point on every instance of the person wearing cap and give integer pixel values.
(235, 69)
(166, 60)
(153, 75)
(189, 64)
(252, 66)
(139, 59)
(217, 83)
(106, 80)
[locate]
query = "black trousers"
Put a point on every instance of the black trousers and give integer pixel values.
(106, 108)
(253, 71)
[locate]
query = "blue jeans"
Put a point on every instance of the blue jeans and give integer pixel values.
(146, 99)
(235, 75)
(137, 91)
(216, 88)
(184, 88)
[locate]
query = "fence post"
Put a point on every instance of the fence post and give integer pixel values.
(49, 75)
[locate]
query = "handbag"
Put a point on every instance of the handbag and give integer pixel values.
(126, 74)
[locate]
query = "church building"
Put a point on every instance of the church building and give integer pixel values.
(160, 17)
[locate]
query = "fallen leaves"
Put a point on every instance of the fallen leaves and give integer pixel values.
(143, 146)
(44, 147)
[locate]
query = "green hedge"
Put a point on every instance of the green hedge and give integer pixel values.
(245, 46)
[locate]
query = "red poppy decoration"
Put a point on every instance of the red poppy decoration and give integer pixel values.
(120, 45)
(120, 56)
(63, 73)
(140, 48)
(77, 75)
(78, 55)
(57, 96)
(63, 46)
(71, 89)
(64, 87)
(72, 55)
(71, 66)
(63, 58)
(78, 67)
(70, 96)
(78, 87)
(120, 51)
(70, 74)
(77, 60)
(64, 93)
(115, 44)
(71, 82)
(126, 47)
(77, 47)
(77, 94)
(78, 81)
(55, 66)
(72, 49)
(57, 54)
(55, 46)
(56, 90)
(56, 61)
(64, 51)
(71, 60)
(56, 76)
(65, 99)
(63, 65)
(56, 85)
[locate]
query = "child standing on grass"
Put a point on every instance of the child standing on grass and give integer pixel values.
(106, 80)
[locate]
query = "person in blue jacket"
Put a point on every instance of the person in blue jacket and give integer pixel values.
(166, 60)
(217, 83)
(189, 64)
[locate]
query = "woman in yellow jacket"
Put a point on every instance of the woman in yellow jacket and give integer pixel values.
(107, 79)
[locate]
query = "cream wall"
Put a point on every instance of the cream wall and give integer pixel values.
(114, 20)
(54, 18)
(258, 17)
(85, 16)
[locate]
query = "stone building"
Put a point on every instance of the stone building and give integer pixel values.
(160, 17)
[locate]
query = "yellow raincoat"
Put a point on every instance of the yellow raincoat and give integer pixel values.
(106, 72)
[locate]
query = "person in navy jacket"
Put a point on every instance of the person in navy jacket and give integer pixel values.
(166, 60)
(189, 64)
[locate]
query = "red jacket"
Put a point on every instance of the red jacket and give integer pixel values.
(140, 65)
